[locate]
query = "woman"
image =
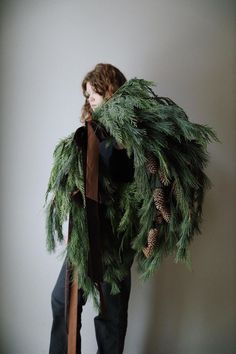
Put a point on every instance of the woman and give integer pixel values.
(108, 264)
(158, 213)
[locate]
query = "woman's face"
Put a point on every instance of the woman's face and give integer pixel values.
(93, 97)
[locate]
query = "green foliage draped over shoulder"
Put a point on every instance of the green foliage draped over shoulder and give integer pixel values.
(145, 124)
(66, 178)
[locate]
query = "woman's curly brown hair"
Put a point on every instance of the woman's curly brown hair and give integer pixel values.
(105, 80)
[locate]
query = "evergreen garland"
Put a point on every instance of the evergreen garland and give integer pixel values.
(160, 211)
(145, 124)
(67, 199)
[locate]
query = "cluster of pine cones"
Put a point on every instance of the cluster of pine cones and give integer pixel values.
(162, 210)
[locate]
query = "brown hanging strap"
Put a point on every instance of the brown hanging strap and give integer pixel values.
(91, 189)
(92, 164)
(71, 302)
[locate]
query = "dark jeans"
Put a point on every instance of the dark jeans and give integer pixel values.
(110, 328)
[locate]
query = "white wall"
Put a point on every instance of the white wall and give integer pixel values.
(188, 48)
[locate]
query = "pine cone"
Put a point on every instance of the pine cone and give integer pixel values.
(151, 164)
(159, 200)
(164, 180)
(151, 242)
(159, 217)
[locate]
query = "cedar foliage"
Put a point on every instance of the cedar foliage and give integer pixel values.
(146, 125)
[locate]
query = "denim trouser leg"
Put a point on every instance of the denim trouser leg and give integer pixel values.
(110, 328)
(58, 340)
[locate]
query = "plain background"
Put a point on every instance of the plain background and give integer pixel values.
(188, 48)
